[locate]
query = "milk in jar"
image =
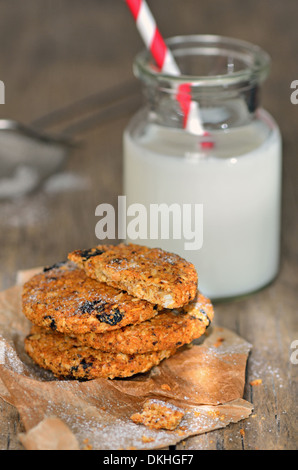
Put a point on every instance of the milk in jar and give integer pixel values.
(237, 180)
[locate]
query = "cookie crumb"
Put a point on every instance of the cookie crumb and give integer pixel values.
(87, 445)
(215, 414)
(146, 439)
(166, 387)
(159, 415)
(218, 342)
(255, 382)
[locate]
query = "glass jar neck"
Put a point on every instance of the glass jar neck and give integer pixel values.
(226, 95)
(216, 110)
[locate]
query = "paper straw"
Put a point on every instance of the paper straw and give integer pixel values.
(152, 38)
(165, 61)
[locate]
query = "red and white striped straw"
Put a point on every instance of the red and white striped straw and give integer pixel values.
(165, 61)
(152, 38)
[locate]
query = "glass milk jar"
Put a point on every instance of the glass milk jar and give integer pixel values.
(227, 162)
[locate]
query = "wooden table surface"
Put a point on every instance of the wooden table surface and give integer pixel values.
(56, 52)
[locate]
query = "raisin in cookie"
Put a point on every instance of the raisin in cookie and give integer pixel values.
(65, 299)
(167, 330)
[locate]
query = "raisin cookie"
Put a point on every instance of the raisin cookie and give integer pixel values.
(65, 299)
(151, 274)
(64, 357)
(167, 330)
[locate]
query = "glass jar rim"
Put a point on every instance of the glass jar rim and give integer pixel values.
(256, 61)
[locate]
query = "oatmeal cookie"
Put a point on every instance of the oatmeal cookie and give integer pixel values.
(151, 274)
(64, 357)
(169, 329)
(65, 299)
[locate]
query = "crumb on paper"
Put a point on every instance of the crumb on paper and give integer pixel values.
(256, 382)
(87, 445)
(242, 432)
(159, 415)
(214, 413)
(146, 439)
(166, 387)
(218, 342)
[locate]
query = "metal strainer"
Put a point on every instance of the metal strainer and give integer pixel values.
(28, 155)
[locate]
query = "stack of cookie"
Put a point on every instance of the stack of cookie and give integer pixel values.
(113, 311)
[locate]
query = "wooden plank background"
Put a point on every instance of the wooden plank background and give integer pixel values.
(54, 52)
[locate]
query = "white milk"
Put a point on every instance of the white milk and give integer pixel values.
(239, 185)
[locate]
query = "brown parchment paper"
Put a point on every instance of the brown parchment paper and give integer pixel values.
(206, 380)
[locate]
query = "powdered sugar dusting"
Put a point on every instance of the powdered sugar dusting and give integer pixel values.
(24, 212)
(9, 357)
(23, 180)
(66, 181)
(21, 210)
